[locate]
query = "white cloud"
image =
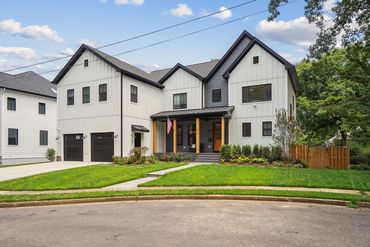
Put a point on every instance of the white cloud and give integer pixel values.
(148, 67)
(329, 4)
(88, 42)
(31, 32)
(22, 52)
(225, 14)
(181, 10)
(129, 2)
(294, 32)
(67, 52)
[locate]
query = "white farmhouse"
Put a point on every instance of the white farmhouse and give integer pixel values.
(28, 117)
(106, 106)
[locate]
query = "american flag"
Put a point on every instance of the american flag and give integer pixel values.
(169, 125)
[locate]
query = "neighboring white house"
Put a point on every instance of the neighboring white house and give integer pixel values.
(106, 106)
(27, 117)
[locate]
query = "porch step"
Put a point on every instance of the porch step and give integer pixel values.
(208, 157)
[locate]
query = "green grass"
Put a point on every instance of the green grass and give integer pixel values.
(301, 194)
(224, 175)
(96, 176)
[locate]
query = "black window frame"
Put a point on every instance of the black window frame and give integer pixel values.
(134, 95)
(256, 59)
(70, 99)
(216, 95)
(44, 138)
(267, 128)
(86, 63)
(247, 96)
(103, 95)
(246, 129)
(85, 97)
(180, 134)
(181, 105)
(11, 104)
(11, 135)
(42, 108)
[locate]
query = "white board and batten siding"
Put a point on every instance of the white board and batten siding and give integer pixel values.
(29, 122)
(93, 117)
(268, 71)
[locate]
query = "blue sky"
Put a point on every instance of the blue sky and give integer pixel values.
(37, 30)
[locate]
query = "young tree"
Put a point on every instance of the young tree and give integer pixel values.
(286, 130)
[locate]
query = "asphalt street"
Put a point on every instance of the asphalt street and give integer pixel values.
(185, 223)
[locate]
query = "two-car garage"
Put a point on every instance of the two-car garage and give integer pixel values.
(102, 146)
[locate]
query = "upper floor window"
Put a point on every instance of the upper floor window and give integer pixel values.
(256, 60)
(43, 137)
(12, 136)
(70, 97)
(216, 95)
(85, 95)
(256, 93)
(134, 94)
(246, 130)
(180, 101)
(103, 92)
(267, 128)
(86, 62)
(12, 105)
(42, 108)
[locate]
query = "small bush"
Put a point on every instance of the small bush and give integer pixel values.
(247, 150)
(258, 161)
(236, 151)
(151, 159)
(120, 160)
(226, 152)
(136, 155)
(276, 153)
(50, 154)
(265, 152)
(256, 150)
(360, 167)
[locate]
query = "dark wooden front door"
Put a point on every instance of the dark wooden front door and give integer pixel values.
(216, 137)
(102, 146)
(73, 147)
(137, 140)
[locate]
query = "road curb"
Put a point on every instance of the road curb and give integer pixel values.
(182, 197)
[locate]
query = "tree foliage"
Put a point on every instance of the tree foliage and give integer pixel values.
(347, 19)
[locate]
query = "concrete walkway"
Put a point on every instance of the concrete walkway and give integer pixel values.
(12, 172)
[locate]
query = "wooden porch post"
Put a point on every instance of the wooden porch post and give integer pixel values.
(154, 138)
(197, 138)
(174, 136)
(222, 130)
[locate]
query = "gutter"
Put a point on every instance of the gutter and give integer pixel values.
(2, 90)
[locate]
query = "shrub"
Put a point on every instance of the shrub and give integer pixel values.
(258, 161)
(236, 151)
(118, 160)
(247, 150)
(136, 154)
(151, 159)
(276, 153)
(50, 154)
(256, 150)
(226, 152)
(266, 152)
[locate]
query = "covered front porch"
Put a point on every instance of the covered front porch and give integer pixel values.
(193, 131)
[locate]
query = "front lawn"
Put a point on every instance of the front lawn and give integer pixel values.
(224, 175)
(95, 176)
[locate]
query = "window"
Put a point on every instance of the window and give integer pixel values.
(216, 95)
(179, 133)
(85, 95)
(70, 97)
(256, 59)
(246, 130)
(180, 101)
(103, 92)
(42, 108)
(86, 62)
(43, 138)
(267, 128)
(12, 136)
(12, 105)
(134, 93)
(256, 93)
(191, 135)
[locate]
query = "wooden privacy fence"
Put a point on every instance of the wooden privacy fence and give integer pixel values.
(321, 157)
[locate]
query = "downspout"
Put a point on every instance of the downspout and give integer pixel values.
(2, 90)
(202, 93)
(121, 114)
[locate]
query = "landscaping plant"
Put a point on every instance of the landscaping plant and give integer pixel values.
(246, 150)
(50, 154)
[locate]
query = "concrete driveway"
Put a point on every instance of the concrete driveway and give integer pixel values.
(10, 172)
(185, 223)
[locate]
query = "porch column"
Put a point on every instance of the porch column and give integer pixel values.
(197, 138)
(154, 138)
(174, 136)
(222, 130)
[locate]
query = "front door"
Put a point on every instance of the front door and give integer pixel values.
(216, 137)
(137, 139)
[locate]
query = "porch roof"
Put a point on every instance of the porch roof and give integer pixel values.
(209, 111)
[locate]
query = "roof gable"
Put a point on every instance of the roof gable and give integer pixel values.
(174, 69)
